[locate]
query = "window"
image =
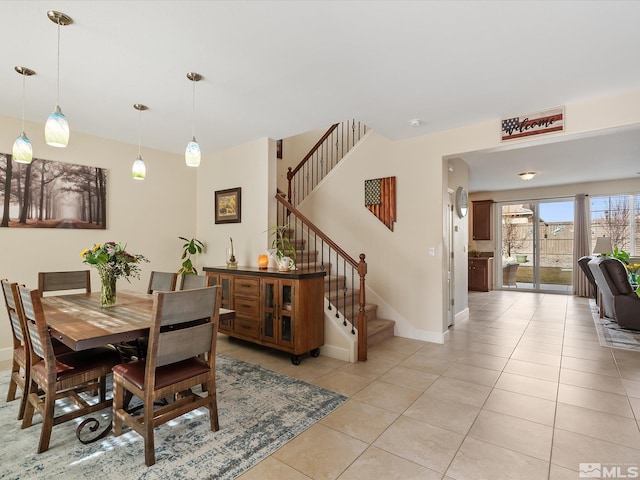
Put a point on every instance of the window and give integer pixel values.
(617, 217)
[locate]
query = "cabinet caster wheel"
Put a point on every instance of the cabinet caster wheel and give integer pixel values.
(295, 359)
(315, 352)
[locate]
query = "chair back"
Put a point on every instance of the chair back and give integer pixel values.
(12, 301)
(36, 327)
(58, 281)
(189, 282)
(185, 325)
(583, 263)
(162, 282)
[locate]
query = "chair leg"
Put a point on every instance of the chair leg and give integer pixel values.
(23, 403)
(47, 421)
(103, 389)
(213, 406)
(11, 394)
(118, 404)
(32, 397)
(149, 441)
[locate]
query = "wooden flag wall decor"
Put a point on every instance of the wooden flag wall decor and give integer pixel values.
(380, 199)
(531, 124)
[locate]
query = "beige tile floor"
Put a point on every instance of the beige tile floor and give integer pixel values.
(521, 390)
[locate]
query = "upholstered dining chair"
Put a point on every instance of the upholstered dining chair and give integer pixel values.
(59, 281)
(189, 282)
(53, 377)
(184, 326)
(162, 282)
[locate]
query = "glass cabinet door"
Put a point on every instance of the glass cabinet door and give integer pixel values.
(285, 292)
(269, 310)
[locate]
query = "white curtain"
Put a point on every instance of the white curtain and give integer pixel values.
(581, 247)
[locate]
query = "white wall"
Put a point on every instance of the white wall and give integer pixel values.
(147, 215)
(293, 151)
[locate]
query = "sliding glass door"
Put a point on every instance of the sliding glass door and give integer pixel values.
(536, 239)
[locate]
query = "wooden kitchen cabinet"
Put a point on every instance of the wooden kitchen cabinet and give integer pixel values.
(481, 227)
(281, 310)
(481, 274)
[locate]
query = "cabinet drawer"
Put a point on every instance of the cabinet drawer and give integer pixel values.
(246, 307)
(247, 328)
(247, 286)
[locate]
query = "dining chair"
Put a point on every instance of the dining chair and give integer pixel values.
(58, 281)
(162, 282)
(189, 282)
(184, 327)
(52, 377)
(20, 347)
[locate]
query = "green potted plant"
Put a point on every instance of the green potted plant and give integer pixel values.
(474, 253)
(191, 247)
(281, 244)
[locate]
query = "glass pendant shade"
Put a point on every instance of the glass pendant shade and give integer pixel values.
(192, 153)
(22, 150)
(56, 130)
(138, 171)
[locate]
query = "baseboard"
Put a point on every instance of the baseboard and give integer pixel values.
(464, 314)
(427, 336)
(338, 353)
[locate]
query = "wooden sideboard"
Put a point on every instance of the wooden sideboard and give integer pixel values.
(281, 310)
(481, 274)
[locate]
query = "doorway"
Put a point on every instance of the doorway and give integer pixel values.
(536, 240)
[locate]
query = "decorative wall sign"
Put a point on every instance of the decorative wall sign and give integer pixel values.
(49, 194)
(380, 199)
(228, 206)
(533, 124)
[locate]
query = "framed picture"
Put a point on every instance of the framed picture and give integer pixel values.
(228, 206)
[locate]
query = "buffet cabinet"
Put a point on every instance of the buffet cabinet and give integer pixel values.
(281, 310)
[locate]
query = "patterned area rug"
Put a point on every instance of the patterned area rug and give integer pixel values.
(610, 334)
(259, 411)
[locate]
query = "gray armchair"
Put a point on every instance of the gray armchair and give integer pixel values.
(613, 283)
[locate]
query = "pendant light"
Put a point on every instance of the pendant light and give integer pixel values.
(56, 130)
(139, 171)
(22, 150)
(192, 153)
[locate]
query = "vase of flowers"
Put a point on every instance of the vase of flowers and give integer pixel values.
(632, 268)
(112, 261)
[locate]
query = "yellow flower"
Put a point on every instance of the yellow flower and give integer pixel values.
(84, 252)
(96, 247)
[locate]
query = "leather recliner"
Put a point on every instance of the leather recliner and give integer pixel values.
(613, 282)
(583, 263)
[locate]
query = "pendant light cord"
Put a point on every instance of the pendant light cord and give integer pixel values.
(139, 130)
(58, 93)
(193, 112)
(24, 79)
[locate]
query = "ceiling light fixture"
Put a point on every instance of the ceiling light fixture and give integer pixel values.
(56, 130)
(192, 153)
(415, 122)
(22, 150)
(139, 171)
(527, 175)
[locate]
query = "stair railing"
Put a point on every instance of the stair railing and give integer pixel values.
(325, 154)
(316, 251)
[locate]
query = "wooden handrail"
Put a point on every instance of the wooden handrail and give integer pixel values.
(318, 232)
(291, 172)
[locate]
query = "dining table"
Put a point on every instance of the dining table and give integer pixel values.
(78, 320)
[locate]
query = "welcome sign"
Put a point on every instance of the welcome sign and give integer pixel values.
(533, 124)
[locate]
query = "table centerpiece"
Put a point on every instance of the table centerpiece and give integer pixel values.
(112, 261)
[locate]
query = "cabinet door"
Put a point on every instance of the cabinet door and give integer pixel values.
(482, 220)
(269, 309)
(286, 314)
(226, 284)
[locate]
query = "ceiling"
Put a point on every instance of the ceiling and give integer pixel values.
(280, 68)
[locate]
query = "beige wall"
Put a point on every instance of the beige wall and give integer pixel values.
(400, 270)
(148, 216)
(293, 151)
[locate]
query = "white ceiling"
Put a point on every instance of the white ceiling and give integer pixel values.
(279, 68)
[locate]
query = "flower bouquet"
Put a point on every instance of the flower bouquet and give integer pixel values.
(112, 262)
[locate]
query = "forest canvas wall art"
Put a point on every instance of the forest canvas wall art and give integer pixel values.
(50, 194)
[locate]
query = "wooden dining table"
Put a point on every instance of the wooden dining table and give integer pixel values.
(80, 322)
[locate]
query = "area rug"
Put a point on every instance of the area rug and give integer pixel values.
(610, 334)
(259, 411)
